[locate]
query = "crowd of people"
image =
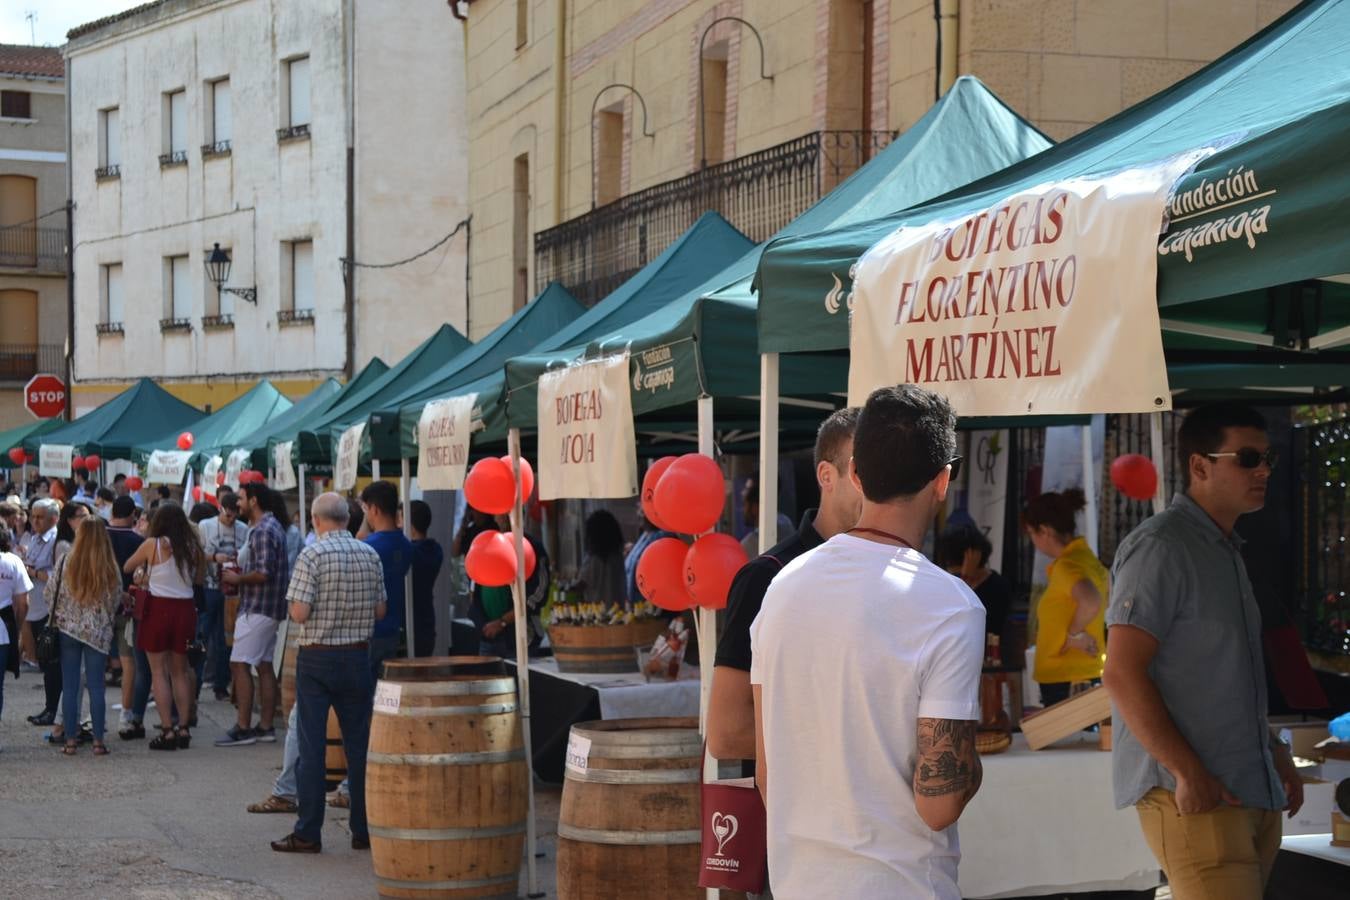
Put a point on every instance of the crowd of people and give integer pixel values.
(866, 759)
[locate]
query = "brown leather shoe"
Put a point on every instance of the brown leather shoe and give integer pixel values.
(291, 843)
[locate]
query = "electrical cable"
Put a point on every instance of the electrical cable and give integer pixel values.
(351, 263)
(59, 209)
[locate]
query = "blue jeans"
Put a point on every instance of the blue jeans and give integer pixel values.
(339, 679)
(4, 659)
(211, 631)
(381, 649)
(73, 653)
(284, 786)
(140, 696)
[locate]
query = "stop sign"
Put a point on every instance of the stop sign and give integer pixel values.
(45, 396)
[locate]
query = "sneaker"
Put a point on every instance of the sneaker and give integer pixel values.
(265, 735)
(237, 737)
(29, 666)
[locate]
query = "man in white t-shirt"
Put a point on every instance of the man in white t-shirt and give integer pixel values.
(14, 587)
(866, 671)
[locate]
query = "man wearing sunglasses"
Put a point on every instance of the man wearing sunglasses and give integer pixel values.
(1194, 753)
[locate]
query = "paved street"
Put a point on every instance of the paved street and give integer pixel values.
(140, 824)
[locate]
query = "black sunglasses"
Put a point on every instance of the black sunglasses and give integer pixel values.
(1250, 457)
(955, 463)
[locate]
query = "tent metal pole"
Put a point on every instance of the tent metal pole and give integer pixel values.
(404, 493)
(374, 469)
(304, 513)
(768, 451)
(1090, 488)
(523, 661)
(1155, 435)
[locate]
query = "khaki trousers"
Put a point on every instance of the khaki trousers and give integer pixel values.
(1224, 854)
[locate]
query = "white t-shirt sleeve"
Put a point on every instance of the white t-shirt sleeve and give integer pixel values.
(22, 583)
(758, 649)
(952, 660)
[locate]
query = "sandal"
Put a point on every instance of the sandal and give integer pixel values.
(132, 731)
(184, 738)
(167, 740)
(71, 748)
(274, 804)
(101, 749)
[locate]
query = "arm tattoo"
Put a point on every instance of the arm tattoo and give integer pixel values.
(947, 761)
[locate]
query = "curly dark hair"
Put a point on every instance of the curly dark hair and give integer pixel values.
(905, 436)
(169, 521)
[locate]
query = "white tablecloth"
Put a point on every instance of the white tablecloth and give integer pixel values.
(627, 696)
(1318, 845)
(1044, 822)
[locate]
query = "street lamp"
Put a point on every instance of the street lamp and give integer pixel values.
(218, 271)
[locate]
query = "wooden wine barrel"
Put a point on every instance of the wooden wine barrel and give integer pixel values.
(629, 823)
(446, 788)
(602, 648)
(286, 673)
(231, 613)
(334, 758)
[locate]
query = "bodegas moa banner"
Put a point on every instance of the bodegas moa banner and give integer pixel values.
(587, 443)
(443, 443)
(1045, 303)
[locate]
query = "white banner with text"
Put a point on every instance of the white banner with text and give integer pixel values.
(1045, 303)
(54, 460)
(283, 473)
(235, 464)
(443, 443)
(587, 443)
(209, 473)
(167, 466)
(348, 458)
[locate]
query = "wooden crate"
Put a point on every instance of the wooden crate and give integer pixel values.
(1066, 717)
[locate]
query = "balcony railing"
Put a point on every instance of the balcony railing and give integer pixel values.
(173, 158)
(20, 362)
(30, 247)
(293, 133)
(758, 193)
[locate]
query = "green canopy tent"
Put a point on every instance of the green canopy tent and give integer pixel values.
(531, 325)
(14, 437)
(1250, 268)
(696, 346)
(313, 403)
(313, 441)
(222, 429)
(293, 422)
(114, 429)
(709, 245)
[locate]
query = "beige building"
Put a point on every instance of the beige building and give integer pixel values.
(670, 107)
(33, 299)
(299, 137)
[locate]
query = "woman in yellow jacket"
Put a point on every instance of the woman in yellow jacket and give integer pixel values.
(1070, 630)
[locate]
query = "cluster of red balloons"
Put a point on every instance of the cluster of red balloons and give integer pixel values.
(687, 494)
(491, 560)
(1135, 476)
(490, 487)
(20, 456)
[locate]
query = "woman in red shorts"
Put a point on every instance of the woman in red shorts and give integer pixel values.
(176, 561)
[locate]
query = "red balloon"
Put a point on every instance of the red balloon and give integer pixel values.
(530, 560)
(197, 493)
(134, 483)
(92, 462)
(1135, 476)
(526, 477)
(710, 565)
(77, 462)
(17, 456)
(491, 560)
(690, 495)
(220, 479)
(251, 476)
(660, 574)
(489, 487)
(185, 441)
(654, 473)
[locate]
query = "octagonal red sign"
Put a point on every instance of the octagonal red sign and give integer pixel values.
(45, 396)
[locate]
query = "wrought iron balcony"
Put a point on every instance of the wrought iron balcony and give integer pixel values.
(293, 133)
(295, 316)
(219, 148)
(30, 247)
(105, 329)
(104, 173)
(758, 193)
(212, 323)
(20, 362)
(167, 325)
(173, 158)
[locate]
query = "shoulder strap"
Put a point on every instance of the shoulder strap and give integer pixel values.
(772, 557)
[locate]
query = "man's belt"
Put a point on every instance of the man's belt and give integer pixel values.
(359, 645)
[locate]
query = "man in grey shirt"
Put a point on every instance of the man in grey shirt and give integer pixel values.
(1194, 753)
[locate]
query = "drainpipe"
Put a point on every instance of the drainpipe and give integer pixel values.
(70, 261)
(946, 16)
(349, 276)
(559, 111)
